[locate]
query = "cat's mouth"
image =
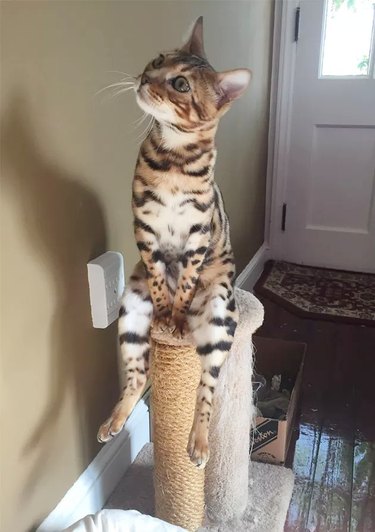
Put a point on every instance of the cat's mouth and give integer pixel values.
(147, 104)
(144, 100)
(143, 94)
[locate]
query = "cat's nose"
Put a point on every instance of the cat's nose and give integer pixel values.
(145, 79)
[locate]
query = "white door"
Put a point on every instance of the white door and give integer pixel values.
(330, 186)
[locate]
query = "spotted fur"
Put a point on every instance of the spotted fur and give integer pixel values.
(185, 278)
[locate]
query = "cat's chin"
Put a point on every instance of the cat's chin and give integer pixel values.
(150, 108)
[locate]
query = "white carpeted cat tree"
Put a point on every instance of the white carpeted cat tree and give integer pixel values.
(183, 492)
(231, 494)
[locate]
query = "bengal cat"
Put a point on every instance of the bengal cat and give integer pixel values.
(185, 279)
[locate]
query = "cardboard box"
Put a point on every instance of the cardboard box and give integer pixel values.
(271, 437)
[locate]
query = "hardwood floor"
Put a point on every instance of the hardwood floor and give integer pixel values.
(333, 452)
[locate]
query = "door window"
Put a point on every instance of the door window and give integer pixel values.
(348, 35)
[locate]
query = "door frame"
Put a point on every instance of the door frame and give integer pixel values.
(281, 97)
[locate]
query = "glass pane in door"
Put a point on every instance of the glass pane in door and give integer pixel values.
(347, 38)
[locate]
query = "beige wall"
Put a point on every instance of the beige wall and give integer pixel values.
(67, 160)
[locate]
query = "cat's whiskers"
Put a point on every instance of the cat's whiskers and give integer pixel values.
(162, 139)
(140, 120)
(140, 138)
(150, 126)
(114, 85)
(126, 84)
(120, 92)
(122, 73)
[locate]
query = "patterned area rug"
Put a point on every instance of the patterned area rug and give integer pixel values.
(320, 293)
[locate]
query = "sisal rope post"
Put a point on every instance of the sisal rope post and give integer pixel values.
(178, 484)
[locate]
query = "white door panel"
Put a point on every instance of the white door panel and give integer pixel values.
(330, 188)
(335, 201)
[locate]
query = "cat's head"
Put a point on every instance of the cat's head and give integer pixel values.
(182, 88)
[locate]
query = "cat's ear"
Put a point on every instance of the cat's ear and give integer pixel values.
(233, 84)
(194, 44)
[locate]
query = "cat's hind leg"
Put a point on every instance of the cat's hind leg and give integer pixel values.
(133, 328)
(212, 321)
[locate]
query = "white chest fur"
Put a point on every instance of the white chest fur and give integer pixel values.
(172, 221)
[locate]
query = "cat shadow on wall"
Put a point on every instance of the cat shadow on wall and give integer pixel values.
(64, 226)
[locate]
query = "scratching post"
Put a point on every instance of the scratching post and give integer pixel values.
(181, 489)
(179, 485)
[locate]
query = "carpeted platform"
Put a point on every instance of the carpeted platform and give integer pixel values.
(270, 489)
(320, 293)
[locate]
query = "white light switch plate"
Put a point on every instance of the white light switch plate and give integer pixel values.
(107, 284)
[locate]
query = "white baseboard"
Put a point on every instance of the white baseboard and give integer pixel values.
(251, 273)
(92, 489)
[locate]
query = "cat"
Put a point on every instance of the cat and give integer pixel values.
(185, 280)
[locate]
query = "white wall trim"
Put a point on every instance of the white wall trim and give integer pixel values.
(272, 115)
(282, 83)
(92, 489)
(251, 273)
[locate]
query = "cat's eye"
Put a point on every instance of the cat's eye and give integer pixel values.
(158, 61)
(180, 84)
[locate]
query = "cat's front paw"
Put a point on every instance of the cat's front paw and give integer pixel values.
(161, 323)
(198, 450)
(178, 326)
(111, 427)
(161, 320)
